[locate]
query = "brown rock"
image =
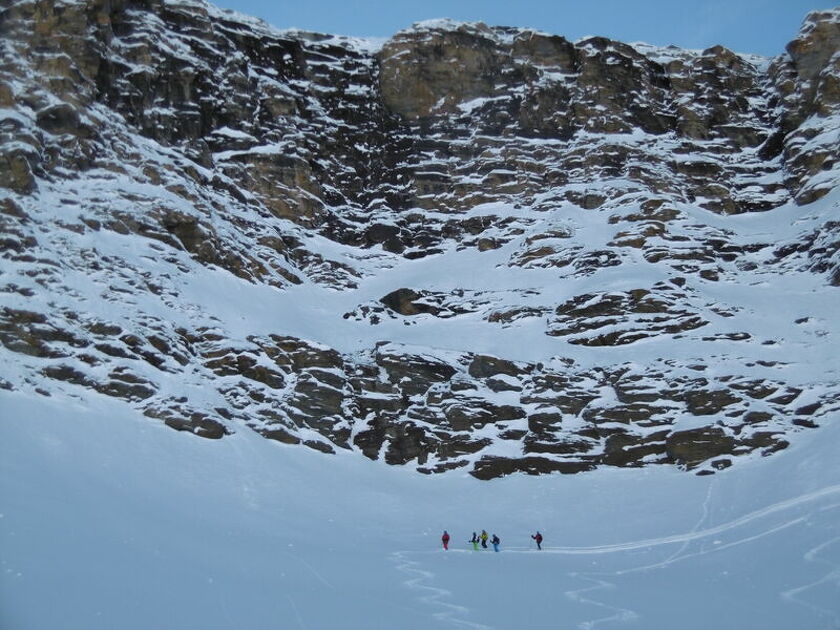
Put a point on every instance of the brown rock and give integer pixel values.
(483, 366)
(691, 448)
(492, 467)
(623, 449)
(430, 72)
(705, 403)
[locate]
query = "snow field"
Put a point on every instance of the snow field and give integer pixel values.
(120, 522)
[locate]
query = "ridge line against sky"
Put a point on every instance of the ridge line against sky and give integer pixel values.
(760, 27)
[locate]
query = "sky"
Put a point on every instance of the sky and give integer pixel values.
(761, 27)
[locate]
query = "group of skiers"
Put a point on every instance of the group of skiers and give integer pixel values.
(481, 539)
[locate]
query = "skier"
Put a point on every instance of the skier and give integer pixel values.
(445, 540)
(474, 541)
(495, 540)
(538, 539)
(484, 539)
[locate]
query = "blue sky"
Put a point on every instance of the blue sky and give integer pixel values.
(750, 26)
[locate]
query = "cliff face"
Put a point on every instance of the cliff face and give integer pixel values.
(474, 247)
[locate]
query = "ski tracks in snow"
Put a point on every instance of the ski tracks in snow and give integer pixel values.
(833, 576)
(618, 614)
(419, 579)
(697, 533)
(579, 595)
(703, 516)
(298, 617)
(455, 615)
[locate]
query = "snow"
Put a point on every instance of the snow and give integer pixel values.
(443, 24)
(233, 133)
(120, 522)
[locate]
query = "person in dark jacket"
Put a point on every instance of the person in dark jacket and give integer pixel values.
(474, 541)
(445, 540)
(538, 539)
(495, 541)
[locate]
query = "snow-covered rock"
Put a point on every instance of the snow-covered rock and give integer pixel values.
(468, 247)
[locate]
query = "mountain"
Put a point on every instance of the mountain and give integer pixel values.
(473, 250)
(477, 248)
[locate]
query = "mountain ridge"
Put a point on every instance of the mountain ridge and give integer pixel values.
(477, 248)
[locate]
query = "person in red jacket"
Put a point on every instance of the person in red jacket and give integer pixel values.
(538, 539)
(445, 539)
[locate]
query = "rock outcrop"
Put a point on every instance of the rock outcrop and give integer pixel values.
(470, 248)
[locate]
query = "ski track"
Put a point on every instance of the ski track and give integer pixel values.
(703, 516)
(719, 547)
(298, 616)
(433, 595)
(793, 595)
(619, 614)
(625, 615)
(697, 534)
(310, 568)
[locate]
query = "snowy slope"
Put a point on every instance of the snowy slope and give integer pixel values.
(110, 521)
(151, 324)
(469, 250)
(465, 247)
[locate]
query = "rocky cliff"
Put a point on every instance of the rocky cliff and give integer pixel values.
(470, 247)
